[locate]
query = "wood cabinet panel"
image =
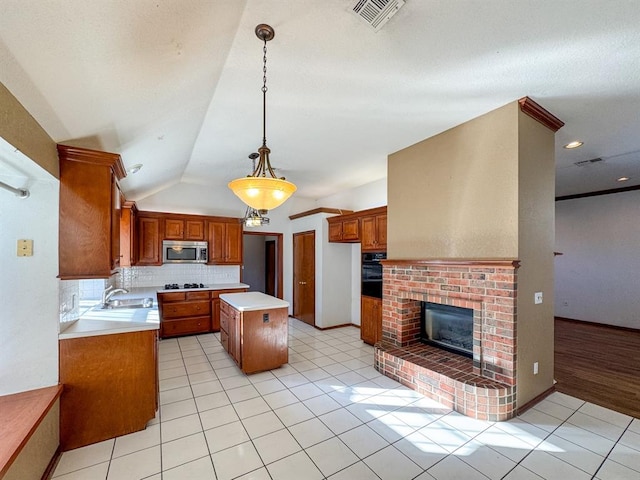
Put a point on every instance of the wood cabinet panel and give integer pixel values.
(370, 319)
(173, 229)
(225, 242)
(374, 232)
(185, 309)
(89, 214)
(149, 244)
(127, 233)
(344, 229)
(256, 340)
(186, 326)
(110, 386)
(194, 230)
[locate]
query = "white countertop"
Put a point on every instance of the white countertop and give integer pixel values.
(250, 301)
(96, 321)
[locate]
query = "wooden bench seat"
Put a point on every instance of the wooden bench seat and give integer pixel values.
(20, 416)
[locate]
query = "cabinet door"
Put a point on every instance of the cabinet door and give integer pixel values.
(116, 213)
(216, 242)
(215, 314)
(194, 230)
(368, 233)
(350, 230)
(233, 243)
(173, 229)
(335, 231)
(381, 231)
(370, 319)
(148, 234)
(127, 235)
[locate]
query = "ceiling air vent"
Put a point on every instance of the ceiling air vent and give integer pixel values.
(376, 12)
(583, 163)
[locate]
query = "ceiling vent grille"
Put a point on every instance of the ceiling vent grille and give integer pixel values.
(583, 163)
(376, 12)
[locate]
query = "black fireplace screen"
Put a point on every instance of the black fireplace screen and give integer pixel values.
(448, 327)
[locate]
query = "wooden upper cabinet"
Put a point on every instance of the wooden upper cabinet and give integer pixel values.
(368, 227)
(183, 229)
(374, 232)
(127, 233)
(225, 242)
(148, 240)
(345, 230)
(173, 229)
(89, 220)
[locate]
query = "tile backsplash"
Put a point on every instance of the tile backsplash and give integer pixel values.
(178, 273)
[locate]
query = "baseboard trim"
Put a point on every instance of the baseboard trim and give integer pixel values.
(531, 403)
(336, 326)
(597, 324)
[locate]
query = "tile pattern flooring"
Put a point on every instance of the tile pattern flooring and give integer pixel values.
(330, 414)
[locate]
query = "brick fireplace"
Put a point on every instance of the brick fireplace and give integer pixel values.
(482, 387)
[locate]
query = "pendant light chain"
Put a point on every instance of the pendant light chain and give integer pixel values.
(264, 94)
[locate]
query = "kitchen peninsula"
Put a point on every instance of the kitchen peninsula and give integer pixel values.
(254, 330)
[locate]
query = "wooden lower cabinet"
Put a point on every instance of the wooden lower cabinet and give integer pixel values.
(370, 319)
(110, 386)
(256, 340)
(188, 313)
(184, 313)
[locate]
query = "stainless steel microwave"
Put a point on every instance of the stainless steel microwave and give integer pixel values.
(179, 251)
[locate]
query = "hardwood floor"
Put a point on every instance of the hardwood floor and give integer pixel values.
(599, 364)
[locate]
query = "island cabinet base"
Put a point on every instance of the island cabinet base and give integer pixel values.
(110, 386)
(258, 339)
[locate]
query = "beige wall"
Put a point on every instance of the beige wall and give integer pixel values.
(485, 190)
(21, 130)
(455, 195)
(536, 239)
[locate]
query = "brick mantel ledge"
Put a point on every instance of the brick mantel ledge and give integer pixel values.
(456, 262)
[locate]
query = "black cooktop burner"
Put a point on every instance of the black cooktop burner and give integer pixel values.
(175, 286)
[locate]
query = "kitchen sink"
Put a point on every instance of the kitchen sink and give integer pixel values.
(129, 303)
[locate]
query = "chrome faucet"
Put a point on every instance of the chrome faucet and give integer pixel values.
(108, 293)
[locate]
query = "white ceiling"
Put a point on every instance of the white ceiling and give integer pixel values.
(175, 84)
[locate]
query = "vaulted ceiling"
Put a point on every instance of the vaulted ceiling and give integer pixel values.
(175, 84)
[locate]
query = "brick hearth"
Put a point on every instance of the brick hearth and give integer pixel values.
(483, 387)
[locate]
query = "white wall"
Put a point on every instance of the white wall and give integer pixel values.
(28, 285)
(597, 278)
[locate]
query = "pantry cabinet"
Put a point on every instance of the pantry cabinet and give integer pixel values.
(89, 216)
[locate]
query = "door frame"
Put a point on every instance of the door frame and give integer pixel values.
(279, 258)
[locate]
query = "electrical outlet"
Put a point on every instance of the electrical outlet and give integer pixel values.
(537, 298)
(535, 368)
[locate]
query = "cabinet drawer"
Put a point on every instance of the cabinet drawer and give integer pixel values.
(224, 308)
(186, 309)
(198, 295)
(185, 326)
(172, 297)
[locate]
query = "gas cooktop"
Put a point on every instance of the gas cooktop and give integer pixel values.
(175, 286)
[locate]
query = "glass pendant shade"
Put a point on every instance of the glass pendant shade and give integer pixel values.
(262, 193)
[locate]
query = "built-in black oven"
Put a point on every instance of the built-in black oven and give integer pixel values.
(372, 273)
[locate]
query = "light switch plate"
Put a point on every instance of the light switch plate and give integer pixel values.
(537, 298)
(25, 248)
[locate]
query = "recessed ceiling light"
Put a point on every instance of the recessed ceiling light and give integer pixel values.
(135, 168)
(623, 179)
(575, 144)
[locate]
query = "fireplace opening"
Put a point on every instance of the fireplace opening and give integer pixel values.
(447, 327)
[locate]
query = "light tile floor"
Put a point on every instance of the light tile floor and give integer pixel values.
(330, 414)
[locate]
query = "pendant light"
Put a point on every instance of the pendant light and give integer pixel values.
(262, 190)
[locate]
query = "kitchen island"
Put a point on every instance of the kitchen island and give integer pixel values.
(254, 330)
